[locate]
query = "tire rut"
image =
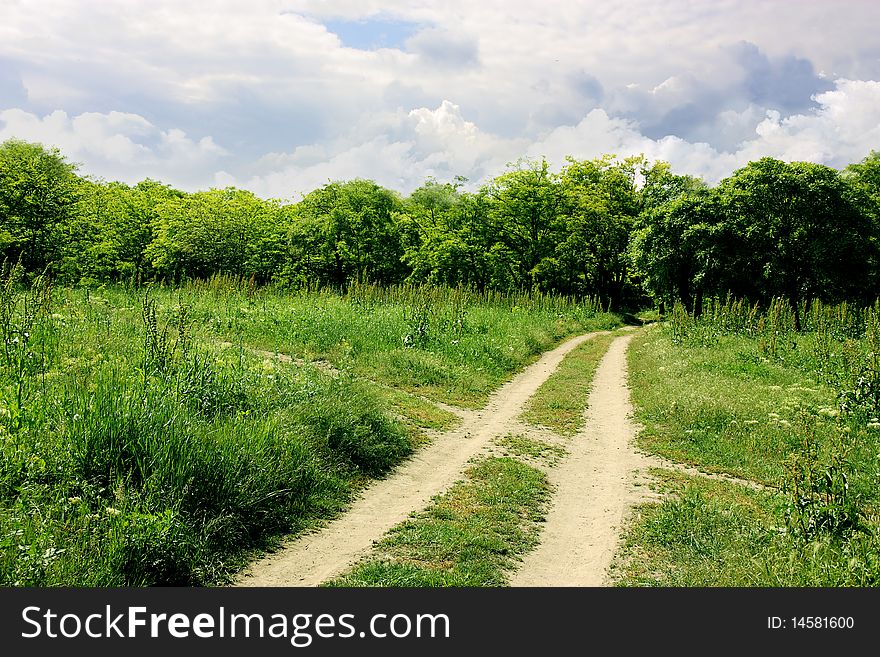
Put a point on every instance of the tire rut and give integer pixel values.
(315, 557)
(596, 485)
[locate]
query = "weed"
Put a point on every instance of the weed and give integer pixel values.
(136, 451)
(739, 390)
(817, 485)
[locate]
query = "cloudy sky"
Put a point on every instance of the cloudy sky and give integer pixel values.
(282, 96)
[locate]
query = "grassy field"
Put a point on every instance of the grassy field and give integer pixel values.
(741, 392)
(162, 436)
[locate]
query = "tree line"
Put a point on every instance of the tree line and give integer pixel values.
(626, 230)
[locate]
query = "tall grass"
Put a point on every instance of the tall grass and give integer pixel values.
(146, 437)
(737, 389)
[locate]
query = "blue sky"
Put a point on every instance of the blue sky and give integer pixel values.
(372, 33)
(282, 96)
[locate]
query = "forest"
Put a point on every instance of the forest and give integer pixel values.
(631, 232)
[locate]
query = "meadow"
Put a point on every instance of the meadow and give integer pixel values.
(153, 435)
(739, 391)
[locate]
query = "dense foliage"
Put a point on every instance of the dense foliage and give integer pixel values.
(627, 231)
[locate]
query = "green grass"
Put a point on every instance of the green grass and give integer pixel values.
(140, 456)
(472, 535)
(723, 407)
(416, 413)
(560, 402)
(714, 533)
(448, 345)
(762, 402)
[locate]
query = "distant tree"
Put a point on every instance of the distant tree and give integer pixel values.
(214, 232)
(675, 240)
(445, 236)
(677, 248)
(866, 176)
(523, 214)
(346, 230)
(800, 230)
(88, 250)
(38, 194)
(136, 225)
(600, 204)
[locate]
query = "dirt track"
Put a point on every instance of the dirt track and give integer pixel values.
(595, 487)
(315, 557)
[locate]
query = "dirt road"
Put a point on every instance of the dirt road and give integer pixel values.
(595, 487)
(316, 557)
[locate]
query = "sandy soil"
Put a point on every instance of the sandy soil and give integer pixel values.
(595, 487)
(318, 556)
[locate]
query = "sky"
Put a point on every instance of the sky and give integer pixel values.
(282, 96)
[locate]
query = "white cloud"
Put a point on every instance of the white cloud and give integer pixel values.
(441, 143)
(117, 145)
(263, 94)
(844, 129)
(400, 149)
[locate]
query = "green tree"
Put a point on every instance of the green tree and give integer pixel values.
(801, 233)
(214, 232)
(600, 203)
(523, 214)
(38, 195)
(677, 249)
(445, 235)
(866, 176)
(346, 230)
(108, 238)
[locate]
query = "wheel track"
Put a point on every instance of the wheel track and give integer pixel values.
(315, 557)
